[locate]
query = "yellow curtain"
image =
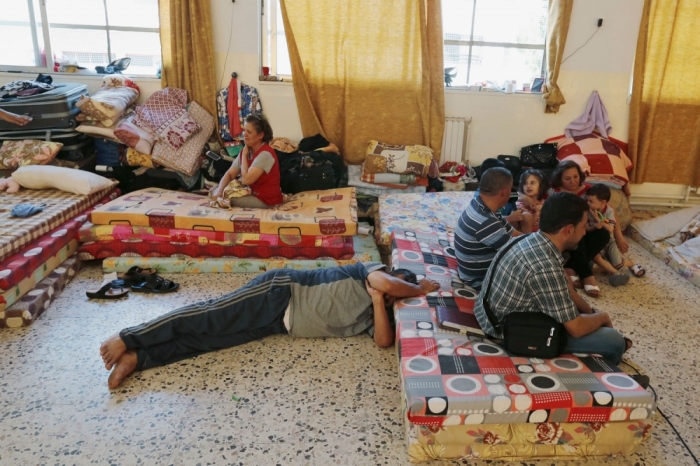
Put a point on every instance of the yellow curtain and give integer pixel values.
(664, 130)
(557, 29)
(188, 49)
(367, 70)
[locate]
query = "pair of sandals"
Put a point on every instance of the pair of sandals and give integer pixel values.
(139, 280)
(617, 279)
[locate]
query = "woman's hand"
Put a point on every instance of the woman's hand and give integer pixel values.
(374, 293)
(428, 286)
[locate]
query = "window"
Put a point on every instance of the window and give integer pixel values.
(89, 32)
(494, 40)
(275, 54)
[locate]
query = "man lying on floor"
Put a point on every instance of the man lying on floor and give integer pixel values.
(335, 302)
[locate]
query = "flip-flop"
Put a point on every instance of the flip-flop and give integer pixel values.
(628, 344)
(638, 271)
(135, 275)
(592, 290)
(154, 284)
(576, 281)
(619, 279)
(107, 292)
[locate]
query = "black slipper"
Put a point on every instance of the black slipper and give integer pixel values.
(107, 292)
(135, 275)
(154, 284)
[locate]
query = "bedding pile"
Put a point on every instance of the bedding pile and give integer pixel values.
(174, 226)
(465, 397)
(33, 248)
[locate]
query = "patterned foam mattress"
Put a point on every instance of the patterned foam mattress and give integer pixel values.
(663, 250)
(330, 212)
(451, 379)
(420, 212)
(16, 233)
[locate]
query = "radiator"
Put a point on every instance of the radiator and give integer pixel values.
(454, 140)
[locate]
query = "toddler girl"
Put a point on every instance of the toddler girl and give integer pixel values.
(533, 188)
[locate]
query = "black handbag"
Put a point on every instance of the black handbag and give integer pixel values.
(530, 334)
(539, 156)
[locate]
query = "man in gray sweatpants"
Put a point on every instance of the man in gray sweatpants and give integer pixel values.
(334, 302)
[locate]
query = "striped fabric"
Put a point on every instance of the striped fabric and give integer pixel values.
(480, 234)
(529, 278)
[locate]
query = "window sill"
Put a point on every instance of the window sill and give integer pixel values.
(91, 76)
(462, 90)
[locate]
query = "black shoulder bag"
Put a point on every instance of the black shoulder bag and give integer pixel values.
(531, 334)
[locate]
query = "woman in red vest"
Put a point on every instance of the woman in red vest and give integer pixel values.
(256, 167)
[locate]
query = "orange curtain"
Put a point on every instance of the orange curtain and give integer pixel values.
(664, 130)
(368, 70)
(558, 21)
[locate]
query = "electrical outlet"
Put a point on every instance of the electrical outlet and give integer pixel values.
(600, 22)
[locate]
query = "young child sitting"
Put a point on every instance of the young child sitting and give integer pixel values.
(533, 187)
(601, 215)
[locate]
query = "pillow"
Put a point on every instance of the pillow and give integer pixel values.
(107, 105)
(138, 159)
(187, 158)
(164, 113)
(65, 179)
(404, 160)
(14, 154)
(133, 135)
(95, 128)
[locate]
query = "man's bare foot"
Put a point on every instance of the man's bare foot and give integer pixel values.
(111, 350)
(123, 367)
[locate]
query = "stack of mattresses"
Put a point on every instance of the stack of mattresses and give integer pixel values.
(427, 212)
(466, 397)
(181, 233)
(35, 251)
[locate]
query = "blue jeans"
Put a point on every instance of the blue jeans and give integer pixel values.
(605, 341)
(249, 313)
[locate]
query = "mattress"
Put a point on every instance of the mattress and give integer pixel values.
(664, 250)
(23, 263)
(422, 212)
(329, 212)
(37, 301)
(369, 189)
(365, 250)
(342, 249)
(450, 379)
(510, 442)
(17, 233)
(13, 294)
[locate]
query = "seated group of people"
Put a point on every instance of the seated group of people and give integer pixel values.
(353, 299)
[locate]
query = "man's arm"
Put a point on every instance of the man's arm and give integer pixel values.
(399, 288)
(383, 333)
(586, 324)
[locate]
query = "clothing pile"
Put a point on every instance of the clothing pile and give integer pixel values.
(173, 231)
(26, 87)
(234, 103)
(165, 136)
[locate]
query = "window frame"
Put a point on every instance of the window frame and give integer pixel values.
(46, 32)
(471, 43)
(268, 45)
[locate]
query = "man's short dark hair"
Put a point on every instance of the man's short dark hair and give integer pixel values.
(560, 210)
(495, 180)
(408, 276)
(600, 191)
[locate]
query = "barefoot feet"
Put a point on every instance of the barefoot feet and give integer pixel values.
(111, 350)
(123, 367)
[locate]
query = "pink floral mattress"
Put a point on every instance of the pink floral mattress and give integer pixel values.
(450, 379)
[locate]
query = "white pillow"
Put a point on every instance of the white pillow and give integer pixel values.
(65, 179)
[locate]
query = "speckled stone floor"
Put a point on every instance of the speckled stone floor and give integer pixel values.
(309, 402)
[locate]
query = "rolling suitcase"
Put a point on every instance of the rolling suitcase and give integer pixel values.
(52, 109)
(76, 146)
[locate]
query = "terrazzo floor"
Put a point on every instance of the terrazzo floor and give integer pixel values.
(307, 402)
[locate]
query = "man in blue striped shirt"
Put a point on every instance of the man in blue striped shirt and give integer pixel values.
(481, 230)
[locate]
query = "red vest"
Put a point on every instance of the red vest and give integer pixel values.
(267, 187)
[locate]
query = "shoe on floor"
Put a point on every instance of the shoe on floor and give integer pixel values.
(619, 279)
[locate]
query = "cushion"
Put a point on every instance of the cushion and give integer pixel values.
(14, 154)
(138, 159)
(186, 158)
(164, 113)
(65, 179)
(401, 159)
(107, 105)
(96, 128)
(134, 136)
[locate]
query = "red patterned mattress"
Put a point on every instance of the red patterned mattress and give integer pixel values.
(453, 379)
(341, 249)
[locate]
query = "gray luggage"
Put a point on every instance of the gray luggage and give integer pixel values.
(53, 109)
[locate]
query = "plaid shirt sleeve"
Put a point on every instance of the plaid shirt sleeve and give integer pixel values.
(551, 294)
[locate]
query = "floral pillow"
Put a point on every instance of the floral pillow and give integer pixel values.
(15, 154)
(133, 135)
(400, 159)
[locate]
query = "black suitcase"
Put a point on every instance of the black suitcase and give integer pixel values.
(52, 109)
(76, 146)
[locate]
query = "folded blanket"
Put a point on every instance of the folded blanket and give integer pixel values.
(665, 226)
(109, 103)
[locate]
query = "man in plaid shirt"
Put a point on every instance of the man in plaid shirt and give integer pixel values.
(530, 278)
